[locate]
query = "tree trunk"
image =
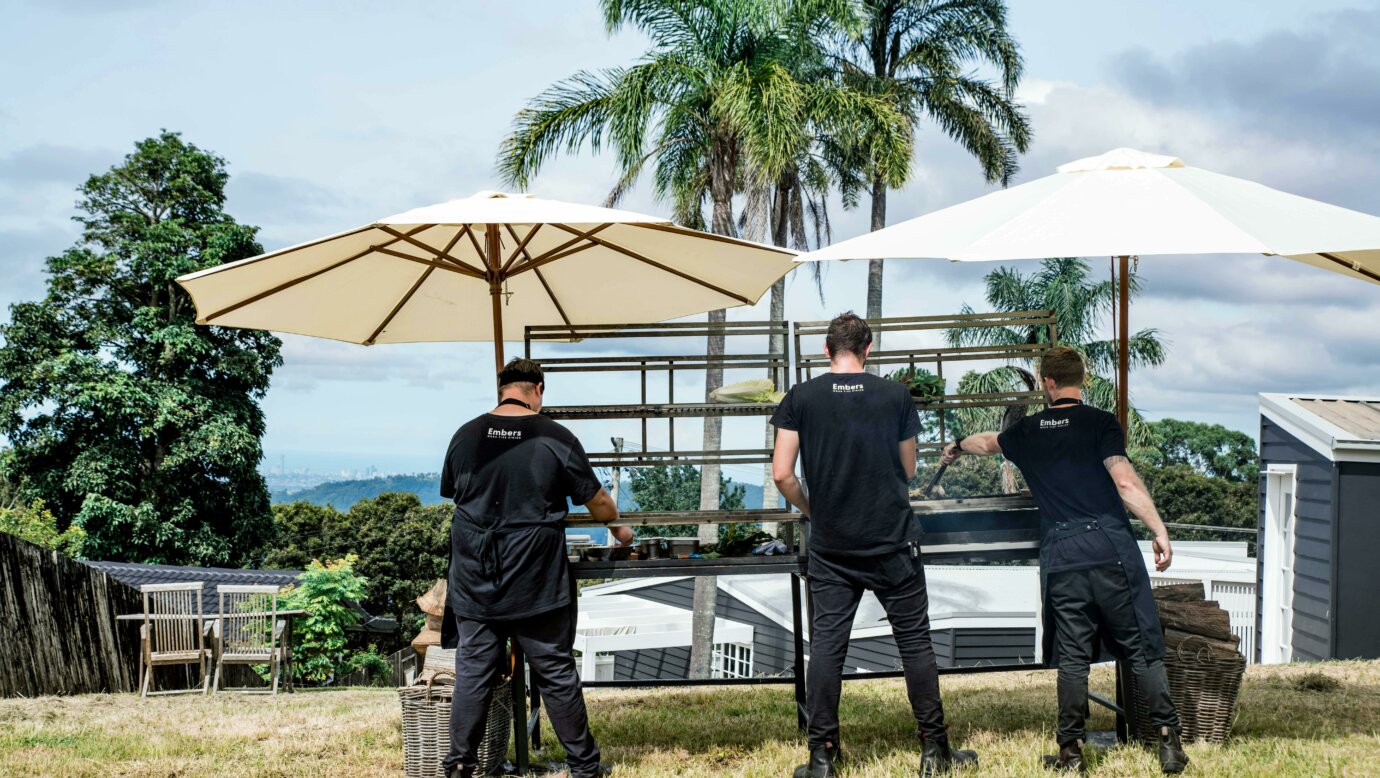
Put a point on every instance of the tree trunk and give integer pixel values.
(722, 167)
(780, 231)
(874, 266)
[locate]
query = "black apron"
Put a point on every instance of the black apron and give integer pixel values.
(1117, 528)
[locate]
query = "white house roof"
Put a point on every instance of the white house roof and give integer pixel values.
(1343, 429)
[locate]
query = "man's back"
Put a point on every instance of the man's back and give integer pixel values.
(1061, 451)
(511, 478)
(851, 426)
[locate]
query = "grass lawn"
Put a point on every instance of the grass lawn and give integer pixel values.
(1292, 722)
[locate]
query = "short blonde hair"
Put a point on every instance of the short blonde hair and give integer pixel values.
(1064, 365)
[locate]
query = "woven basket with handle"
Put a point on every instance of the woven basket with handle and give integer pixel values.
(1204, 686)
(426, 727)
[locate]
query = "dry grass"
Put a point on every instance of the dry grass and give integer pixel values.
(1292, 723)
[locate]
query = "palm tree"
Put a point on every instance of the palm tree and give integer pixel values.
(717, 92)
(1080, 305)
(921, 53)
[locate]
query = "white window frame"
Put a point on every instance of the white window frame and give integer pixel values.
(732, 660)
(1277, 564)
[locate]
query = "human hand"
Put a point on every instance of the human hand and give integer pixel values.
(624, 535)
(951, 454)
(1164, 555)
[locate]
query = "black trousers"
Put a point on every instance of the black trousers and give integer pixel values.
(547, 639)
(1084, 602)
(899, 583)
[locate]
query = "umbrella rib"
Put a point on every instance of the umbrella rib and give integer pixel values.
(300, 279)
(389, 318)
(554, 301)
(478, 249)
(521, 249)
(441, 253)
(464, 271)
(560, 251)
(1354, 267)
(666, 268)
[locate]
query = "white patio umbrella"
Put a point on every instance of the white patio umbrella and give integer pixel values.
(482, 268)
(1125, 203)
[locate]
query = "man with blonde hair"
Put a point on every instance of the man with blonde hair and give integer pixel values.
(1093, 579)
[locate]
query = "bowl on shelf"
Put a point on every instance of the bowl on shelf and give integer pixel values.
(652, 548)
(682, 548)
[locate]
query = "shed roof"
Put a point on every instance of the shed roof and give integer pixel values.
(1341, 428)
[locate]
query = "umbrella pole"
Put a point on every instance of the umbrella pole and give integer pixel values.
(492, 249)
(1123, 356)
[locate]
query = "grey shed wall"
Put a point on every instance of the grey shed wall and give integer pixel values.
(773, 651)
(1358, 575)
(1313, 541)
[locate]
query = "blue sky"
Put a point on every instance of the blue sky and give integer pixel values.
(334, 113)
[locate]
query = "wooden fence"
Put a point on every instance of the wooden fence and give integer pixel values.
(58, 633)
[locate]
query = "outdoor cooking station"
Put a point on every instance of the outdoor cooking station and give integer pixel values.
(968, 530)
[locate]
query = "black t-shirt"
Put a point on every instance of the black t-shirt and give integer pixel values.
(511, 478)
(1061, 453)
(851, 425)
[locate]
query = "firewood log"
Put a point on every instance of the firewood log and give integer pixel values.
(1189, 592)
(1199, 618)
(434, 601)
(1190, 645)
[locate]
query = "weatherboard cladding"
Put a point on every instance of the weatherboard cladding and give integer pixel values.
(773, 651)
(1358, 534)
(1313, 543)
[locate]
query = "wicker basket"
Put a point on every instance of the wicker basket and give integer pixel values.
(426, 728)
(1204, 686)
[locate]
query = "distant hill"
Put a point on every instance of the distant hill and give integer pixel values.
(343, 494)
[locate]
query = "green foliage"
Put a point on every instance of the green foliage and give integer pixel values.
(402, 546)
(1210, 449)
(374, 664)
(920, 382)
(1080, 306)
(350, 492)
(677, 488)
(967, 477)
(36, 524)
(1184, 495)
(319, 641)
(127, 419)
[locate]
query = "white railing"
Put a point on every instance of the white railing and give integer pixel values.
(1236, 597)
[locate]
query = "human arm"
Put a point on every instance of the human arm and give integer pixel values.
(908, 457)
(980, 444)
(1139, 503)
(603, 510)
(783, 461)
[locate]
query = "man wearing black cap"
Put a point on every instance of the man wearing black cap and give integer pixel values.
(1093, 580)
(855, 434)
(513, 474)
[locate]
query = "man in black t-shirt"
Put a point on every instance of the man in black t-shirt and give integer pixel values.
(855, 434)
(1094, 582)
(513, 474)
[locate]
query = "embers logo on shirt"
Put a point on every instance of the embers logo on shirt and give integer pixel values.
(495, 434)
(847, 388)
(1053, 423)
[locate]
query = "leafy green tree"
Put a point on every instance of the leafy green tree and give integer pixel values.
(320, 645)
(1210, 449)
(1080, 305)
(127, 419)
(401, 546)
(927, 57)
(677, 488)
(1184, 495)
(36, 524)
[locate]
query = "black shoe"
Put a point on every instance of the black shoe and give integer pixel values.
(459, 771)
(1070, 758)
(598, 771)
(937, 758)
(1172, 756)
(821, 764)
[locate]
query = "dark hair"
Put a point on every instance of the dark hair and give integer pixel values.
(1064, 365)
(848, 333)
(521, 371)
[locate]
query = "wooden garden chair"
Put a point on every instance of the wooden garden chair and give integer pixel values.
(173, 633)
(249, 632)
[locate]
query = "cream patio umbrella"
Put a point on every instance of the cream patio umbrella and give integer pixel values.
(482, 268)
(1125, 203)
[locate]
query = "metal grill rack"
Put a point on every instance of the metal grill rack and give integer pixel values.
(806, 364)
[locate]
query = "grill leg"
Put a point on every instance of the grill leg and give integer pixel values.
(519, 709)
(797, 623)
